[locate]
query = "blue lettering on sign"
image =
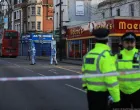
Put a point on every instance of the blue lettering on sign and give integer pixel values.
(38, 37)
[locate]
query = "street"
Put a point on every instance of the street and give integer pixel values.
(40, 95)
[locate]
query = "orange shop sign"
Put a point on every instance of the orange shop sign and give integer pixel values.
(76, 32)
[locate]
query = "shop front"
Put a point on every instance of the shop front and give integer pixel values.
(79, 42)
(119, 26)
(80, 39)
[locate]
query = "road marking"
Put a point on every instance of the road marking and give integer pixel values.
(75, 88)
(13, 64)
(41, 74)
(17, 65)
(55, 72)
(68, 69)
(28, 69)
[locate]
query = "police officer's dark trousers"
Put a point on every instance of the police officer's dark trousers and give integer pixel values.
(97, 100)
(132, 99)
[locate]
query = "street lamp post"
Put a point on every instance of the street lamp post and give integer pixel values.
(60, 31)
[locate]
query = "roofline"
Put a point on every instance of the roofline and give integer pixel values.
(10, 31)
(106, 2)
(119, 17)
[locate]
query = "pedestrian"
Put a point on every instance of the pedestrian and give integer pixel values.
(128, 59)
(33, 53)
(100, 61)
(53, 56)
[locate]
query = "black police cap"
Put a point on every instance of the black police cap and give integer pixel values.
(129, 36)
(101, 33)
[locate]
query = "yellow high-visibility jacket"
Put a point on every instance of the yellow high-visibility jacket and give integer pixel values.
(100, 61)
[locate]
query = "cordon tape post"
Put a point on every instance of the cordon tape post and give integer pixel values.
(35, 78)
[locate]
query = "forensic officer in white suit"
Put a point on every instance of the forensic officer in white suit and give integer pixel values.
(53, 56)
(33, 53)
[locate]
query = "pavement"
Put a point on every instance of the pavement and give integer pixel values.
(68, 61)
(40, 95)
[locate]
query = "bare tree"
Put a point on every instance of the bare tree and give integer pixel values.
(9, 12)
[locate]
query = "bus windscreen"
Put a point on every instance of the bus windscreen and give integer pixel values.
(11, 35)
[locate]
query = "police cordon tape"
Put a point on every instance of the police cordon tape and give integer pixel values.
(35, 78)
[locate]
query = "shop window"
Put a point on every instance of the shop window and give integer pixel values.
(74, 49)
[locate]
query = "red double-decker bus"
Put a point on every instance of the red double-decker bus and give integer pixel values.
(9, 40)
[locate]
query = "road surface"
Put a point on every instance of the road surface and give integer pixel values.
(40, 95)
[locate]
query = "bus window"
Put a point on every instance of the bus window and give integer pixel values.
(11, 35)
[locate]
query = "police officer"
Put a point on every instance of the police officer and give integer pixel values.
(100, 60)
(33, 53)
(128, 59)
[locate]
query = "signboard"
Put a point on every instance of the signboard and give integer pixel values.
(38, 37)
(126, 25)
(80, 8)
(42, 37)
(79, 31)
(120, 26)
(116, 26)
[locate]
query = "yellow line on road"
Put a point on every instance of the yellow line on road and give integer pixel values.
(60, 67)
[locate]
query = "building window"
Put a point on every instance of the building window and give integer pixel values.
(28, 11)
(39, 10)
(39, 25)
(131, 6)
(33, 10)
(15, 2)
(118, 12)
(103, 15)
(14, 15)
(33, 25)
